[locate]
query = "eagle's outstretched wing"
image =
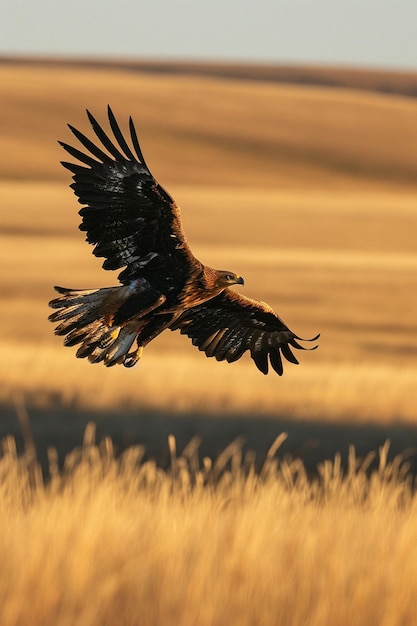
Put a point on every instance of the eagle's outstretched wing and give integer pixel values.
(133, 222)
(229, 324)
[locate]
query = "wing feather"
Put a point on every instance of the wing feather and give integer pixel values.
(135, 142)
(129, 218)
(261, 360)
(77, 154)
(276, 361)
(230, 324)
(286, 351)
(120, 139)
(105, 140)
(213, 347)
(91, 147)
(235, 352)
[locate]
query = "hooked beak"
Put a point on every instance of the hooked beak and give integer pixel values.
(240, 281)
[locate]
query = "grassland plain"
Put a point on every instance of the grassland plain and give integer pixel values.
(355, 283)
(116, 541)
(309, 193)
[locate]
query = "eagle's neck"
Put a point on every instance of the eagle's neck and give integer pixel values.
(200, 287)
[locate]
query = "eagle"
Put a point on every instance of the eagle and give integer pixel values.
(136, 226)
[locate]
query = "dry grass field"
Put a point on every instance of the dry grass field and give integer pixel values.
(113, 542)
(309, 193)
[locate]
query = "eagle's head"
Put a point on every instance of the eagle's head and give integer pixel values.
(226, 278)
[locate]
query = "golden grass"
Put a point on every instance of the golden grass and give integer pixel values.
(111, 541)
(311, 195)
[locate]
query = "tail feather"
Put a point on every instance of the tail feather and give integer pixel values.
(85, 318)
(84, 333)
(80, 296)
(62, 314)
(73, 322)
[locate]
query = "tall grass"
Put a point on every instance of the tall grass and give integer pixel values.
(118, 541)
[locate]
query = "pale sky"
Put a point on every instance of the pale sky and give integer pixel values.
(374, 33)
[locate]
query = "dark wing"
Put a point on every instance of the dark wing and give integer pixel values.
(229, 324)
(133, 222)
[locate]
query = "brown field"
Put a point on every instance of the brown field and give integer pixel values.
(309, 193)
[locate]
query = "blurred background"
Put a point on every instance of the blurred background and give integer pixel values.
(287, 132)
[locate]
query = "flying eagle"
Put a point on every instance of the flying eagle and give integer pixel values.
(135, 224)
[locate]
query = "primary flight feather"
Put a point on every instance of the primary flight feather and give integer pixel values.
(135, 225)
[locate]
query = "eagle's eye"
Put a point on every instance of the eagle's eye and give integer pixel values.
(230, 277)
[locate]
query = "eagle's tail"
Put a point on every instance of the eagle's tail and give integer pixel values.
(86, 318)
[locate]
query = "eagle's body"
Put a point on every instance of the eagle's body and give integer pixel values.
(135, 224)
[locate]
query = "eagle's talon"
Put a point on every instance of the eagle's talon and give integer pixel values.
(133, 357)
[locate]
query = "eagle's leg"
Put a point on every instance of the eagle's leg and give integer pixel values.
(133, 357)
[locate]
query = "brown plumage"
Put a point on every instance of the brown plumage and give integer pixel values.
(135, 225)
